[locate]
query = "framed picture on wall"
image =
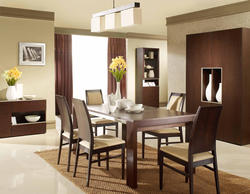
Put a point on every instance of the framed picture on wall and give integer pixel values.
(31, 53)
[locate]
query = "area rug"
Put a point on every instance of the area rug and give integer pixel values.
(103, 181)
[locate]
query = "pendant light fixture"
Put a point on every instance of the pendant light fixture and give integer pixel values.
(124, 16)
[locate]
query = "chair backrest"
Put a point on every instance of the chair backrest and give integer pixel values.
(204, 129)
(66, 120)
(85, 131)
(176, 101)
(93, 97)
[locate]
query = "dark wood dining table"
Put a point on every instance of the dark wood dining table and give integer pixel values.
(149, 119)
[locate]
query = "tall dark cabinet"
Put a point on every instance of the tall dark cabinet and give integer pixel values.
(225, 55)
(147, 76)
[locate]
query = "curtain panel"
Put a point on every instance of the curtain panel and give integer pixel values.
(63, 68)
(116, 47)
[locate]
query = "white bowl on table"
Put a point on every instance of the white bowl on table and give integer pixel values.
(32, 118)
(29, 97)
(122, 103)
(134, 106)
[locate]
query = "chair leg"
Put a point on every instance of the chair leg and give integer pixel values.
(166, 141)
(99, 156)
(123, 160)
(89, 169)
(95, 130)
(186, 178)
(190, 169)
(181, 135)
(76, 160)
(161, 169)
(216, 173)
(158, 150)
(107, 161)
(143, 144)
(60, 149)
(116, 129)
(103, 130)
(69, 154)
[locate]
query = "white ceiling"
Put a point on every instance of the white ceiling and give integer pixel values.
(77, 13)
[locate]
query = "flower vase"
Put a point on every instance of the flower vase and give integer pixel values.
(208, 89)
(118, 91)
(11, 93)
(218, 94)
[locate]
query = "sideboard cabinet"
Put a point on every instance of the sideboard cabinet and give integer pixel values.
(12, 117)
(225, 56)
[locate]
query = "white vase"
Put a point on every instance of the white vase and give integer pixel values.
(118, 91)
(151, 73)
(218, 94)
(208, 89)
(11, 93)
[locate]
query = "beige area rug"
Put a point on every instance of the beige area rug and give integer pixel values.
(103, 181)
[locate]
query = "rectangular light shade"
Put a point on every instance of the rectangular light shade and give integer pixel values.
(98, 24)
(131, 17)
(113, 21)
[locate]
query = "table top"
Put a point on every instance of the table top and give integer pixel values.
(149, 117)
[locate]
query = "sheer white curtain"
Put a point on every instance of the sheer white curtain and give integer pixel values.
(89, 56)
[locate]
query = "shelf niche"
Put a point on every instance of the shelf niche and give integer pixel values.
(216, 79)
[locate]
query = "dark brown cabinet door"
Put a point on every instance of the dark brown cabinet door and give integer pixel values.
(227, 53)
(151, 96)
(5, 119)
(198, 56)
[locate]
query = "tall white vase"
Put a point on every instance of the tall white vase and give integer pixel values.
(118, 91)
(208, 89)
(151, 74)
(11, 93)
(218, 94)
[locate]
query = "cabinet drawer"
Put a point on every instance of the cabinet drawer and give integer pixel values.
(27, 106)
(28, 129)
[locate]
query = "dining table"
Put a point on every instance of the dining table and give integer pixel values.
(150, 118)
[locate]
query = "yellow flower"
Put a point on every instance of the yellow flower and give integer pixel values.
(12, 76)
(118, 66)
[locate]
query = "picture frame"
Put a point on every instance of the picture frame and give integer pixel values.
(31, 53)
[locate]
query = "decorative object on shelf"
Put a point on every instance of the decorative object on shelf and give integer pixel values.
(124, 16)
(31, 53)
(218, 94)
(208, 89)
(151, 74)
(149, 67)
(32, 118)
(118, 69)
(146, 57)
(122, 103)
(11, 76)
(151, 55)
(29, 97)
(145, 74)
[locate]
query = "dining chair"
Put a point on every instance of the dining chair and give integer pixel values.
(201, 149)
(176, 103)
(94, 97)
(68, 134)
(94, 145)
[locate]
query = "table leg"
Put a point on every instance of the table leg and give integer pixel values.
(131, 154)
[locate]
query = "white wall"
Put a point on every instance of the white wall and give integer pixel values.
(132, 44)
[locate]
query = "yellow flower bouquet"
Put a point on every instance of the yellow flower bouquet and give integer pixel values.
(12, 76)
(118, 68)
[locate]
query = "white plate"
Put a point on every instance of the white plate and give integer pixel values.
(134, 110)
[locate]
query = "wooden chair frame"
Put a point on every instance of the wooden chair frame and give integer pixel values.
(105, 124)
(205, 125)
(66, 126)
(86, 133)
(164, 135)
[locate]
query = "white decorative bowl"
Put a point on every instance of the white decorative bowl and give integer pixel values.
(29, 97)
(122, 103)
(32, 118)
(134, 106)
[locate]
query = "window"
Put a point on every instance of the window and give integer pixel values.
(89, 56)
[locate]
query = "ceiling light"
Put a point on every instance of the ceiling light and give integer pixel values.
(124, 16)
